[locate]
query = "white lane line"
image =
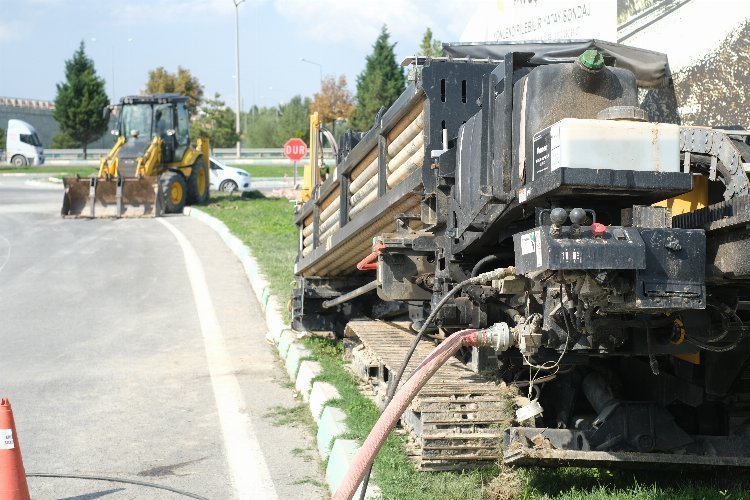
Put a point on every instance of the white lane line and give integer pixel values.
(247, 465)
(7, 254)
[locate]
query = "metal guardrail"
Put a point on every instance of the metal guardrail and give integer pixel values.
(255, 156)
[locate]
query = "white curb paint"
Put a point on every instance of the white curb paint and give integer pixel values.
(247, 464)
(332, 425)
(294, 357)
(307, 372)
(321, 395)
(342, 455)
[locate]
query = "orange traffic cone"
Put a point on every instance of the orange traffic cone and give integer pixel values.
(12, 474)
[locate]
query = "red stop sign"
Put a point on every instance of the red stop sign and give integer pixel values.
(295, 149)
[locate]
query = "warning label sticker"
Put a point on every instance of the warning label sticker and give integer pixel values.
(6, 439)
(538, 238)
(542, 153)
(528, 243)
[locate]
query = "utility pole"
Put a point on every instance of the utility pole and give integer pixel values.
(237, 33)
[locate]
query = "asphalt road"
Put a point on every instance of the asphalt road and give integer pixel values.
(135, 349)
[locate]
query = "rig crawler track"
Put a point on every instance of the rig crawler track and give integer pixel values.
(456, 421)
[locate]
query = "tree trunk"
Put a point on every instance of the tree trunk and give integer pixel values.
(84, 151)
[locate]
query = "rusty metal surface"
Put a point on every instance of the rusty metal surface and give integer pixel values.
(111, 198)
(625, 460)
(455, 421)
(563, 447)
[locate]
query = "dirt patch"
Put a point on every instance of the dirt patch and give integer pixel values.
(506, 486)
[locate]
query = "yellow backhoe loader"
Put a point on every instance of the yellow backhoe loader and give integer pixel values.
(152, 168)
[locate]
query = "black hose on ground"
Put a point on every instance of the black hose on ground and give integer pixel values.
(117, 480)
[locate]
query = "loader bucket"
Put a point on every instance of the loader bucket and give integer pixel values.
(94, 197)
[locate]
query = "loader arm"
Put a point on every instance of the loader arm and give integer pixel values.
(108, 166)
(148, 164)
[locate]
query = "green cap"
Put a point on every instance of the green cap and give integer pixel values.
(592, 59)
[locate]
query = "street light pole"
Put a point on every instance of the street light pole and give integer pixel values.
(237, 33)
(320, 69)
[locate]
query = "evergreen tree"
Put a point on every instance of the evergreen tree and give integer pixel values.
(430, 47)
(262, 128)
(216, 122)
(294, 120)
(62, 140)
(380, 84)
(80, 101)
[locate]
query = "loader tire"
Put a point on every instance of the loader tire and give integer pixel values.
(174, 192)
(198, 184)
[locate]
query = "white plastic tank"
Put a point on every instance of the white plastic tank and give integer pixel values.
(607, 144)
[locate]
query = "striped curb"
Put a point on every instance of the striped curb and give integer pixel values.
(285, 342)
(294, 356)
(322, 395)
(342, 455)
(332, 425)
(308, 371)
(318, 394)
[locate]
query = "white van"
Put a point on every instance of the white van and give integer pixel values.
(22, 146)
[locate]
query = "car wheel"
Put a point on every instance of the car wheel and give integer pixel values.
(228, 186)
(18, 161)
(174, 192)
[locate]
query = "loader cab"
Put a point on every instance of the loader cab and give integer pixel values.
(141, 118)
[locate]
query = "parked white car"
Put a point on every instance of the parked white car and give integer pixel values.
(228, 179)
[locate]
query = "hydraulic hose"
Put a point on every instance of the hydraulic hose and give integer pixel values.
(496, 274)
(482, 278)
(399, 403)
(487, 260)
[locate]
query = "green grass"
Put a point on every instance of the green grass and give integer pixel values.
(71, 170)
(272, 170)
(595, 484)
(266, 226)
(294, 416)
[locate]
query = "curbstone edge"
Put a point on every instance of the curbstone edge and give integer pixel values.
(306, 374)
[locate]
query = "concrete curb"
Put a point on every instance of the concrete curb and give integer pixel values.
(332, 425)
(308, 371)
(319, 395)
(294, 356)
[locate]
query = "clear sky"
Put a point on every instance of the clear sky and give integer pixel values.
(127, 38)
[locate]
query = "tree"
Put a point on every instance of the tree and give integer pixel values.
(3, 137)
(80, 101)
(183, 82)
(379, 84)
(62, 140)
(262, 126)
(272, 127)
(334, 101)
(216, 122)
(430, 47)
(294, 120)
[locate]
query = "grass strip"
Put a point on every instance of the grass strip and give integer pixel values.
(82, 170)
(261, 171)
(266, 225)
